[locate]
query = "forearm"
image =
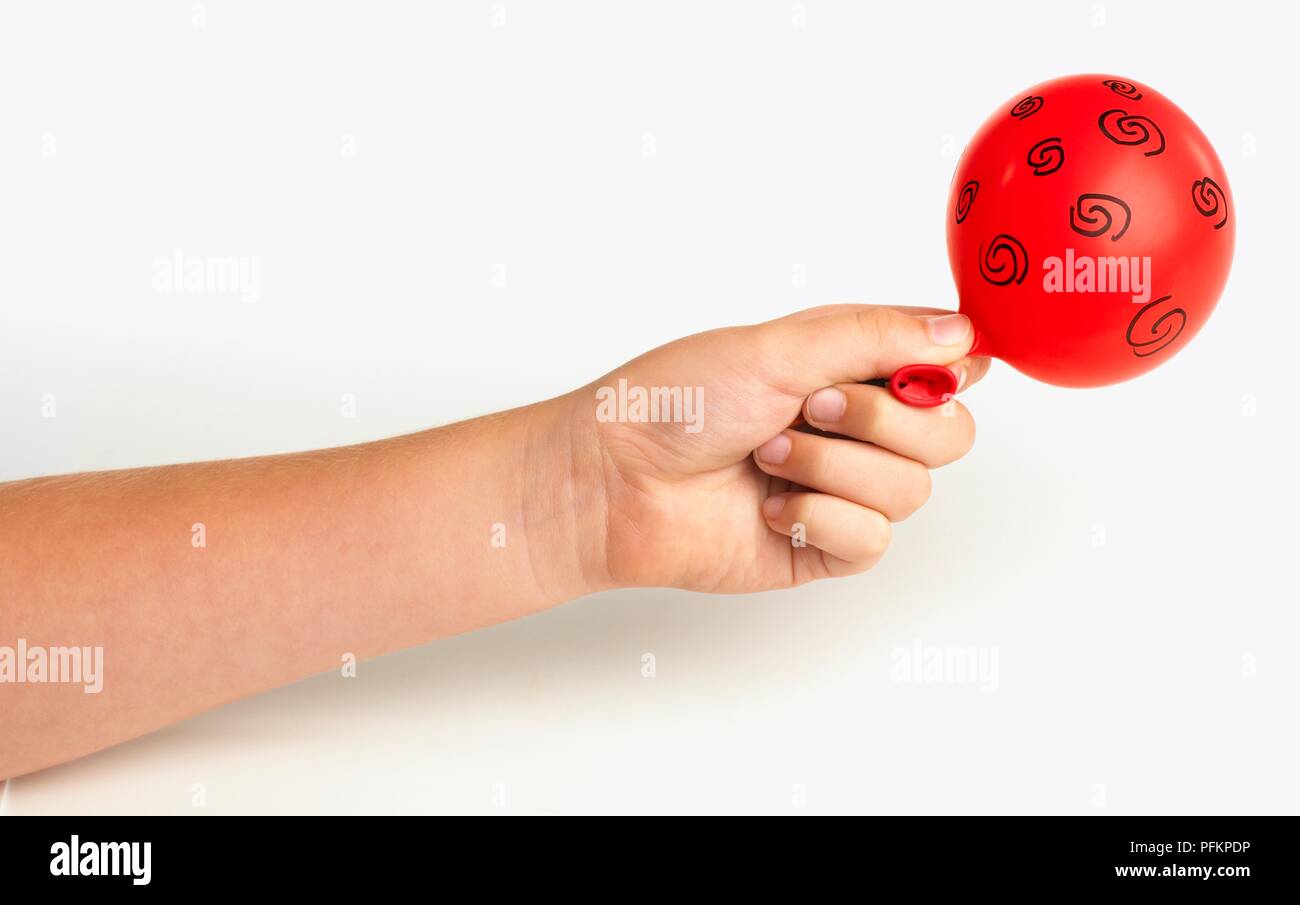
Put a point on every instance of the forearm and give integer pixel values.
(208, 582)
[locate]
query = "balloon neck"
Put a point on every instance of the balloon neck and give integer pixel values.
(927, 386)
(924, 386)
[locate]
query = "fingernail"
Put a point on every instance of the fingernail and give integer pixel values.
(775, 451)
(961, 377)
(827, 404)
(772, 507)
(948, 329)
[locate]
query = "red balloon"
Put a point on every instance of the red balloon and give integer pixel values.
(1090, 233)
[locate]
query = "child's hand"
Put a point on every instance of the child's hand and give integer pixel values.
(721, 504)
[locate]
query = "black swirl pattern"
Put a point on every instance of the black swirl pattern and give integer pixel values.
(1152, 331)
(1027, 106)
(966, 199)
(1004, 261)
(1124, 129)
(1046, 157)
(1209, 200)
(1123, 89)
(1094, 215)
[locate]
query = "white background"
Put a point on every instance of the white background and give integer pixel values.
(460, 207)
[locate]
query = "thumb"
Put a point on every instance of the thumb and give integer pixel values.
(861, 342)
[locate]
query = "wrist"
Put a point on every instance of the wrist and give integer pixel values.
(562, 498)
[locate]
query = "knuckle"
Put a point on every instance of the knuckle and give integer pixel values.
(875, 412)
(878, 537)
(959, 435)
(878, 326)
(821, 461)
(915, 490)
(806, 509)
(977, 369)
(966, 438)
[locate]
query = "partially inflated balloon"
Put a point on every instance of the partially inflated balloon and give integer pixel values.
(1090, 233)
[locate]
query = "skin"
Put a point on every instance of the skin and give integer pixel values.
(367, 549)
